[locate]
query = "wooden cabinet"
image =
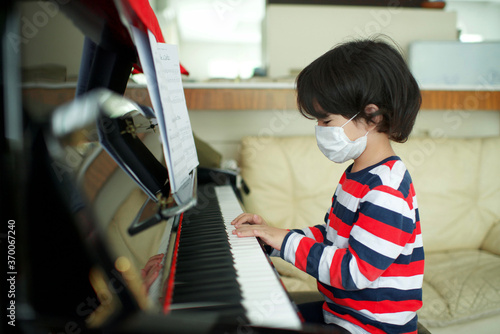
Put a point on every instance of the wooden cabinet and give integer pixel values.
(236, 97)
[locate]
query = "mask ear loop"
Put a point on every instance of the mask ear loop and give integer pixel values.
(350, 120)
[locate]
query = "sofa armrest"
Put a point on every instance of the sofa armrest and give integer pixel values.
(492, 241)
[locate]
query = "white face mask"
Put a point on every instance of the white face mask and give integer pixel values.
(336, 146)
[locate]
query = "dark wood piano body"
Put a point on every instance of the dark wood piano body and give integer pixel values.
(70, 277)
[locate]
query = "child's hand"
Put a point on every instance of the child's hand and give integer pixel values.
(248, 218)
(151, 270)
(248, 225)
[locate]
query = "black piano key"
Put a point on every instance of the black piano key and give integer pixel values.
(207, 284)
(205, 216)
(230, 310)
(196, 263)
(199, 238)
(204, 281)
(215, 284)
(205, 254)
(205, 274)
(209, 244)
(204, 267)
(212, 253)
(202, 230)
(202, 223)
(214, 296)
(205, 293)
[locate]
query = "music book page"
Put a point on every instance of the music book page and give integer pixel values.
(160, 64)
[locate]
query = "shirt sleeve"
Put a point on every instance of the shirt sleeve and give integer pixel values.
(317, 233)
(384, 224)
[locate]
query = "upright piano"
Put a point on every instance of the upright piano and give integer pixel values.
(71, 279)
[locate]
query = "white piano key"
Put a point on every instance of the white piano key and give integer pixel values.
(264, 297)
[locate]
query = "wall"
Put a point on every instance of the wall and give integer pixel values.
(295, 35)
(207, 60)
(476, 18)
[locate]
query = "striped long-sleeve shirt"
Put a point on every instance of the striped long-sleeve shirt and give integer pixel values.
(368, 257)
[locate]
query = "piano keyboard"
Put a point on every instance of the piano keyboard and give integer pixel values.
(217, 271)
(264, 297)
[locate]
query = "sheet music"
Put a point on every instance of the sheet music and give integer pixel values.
(160, 63)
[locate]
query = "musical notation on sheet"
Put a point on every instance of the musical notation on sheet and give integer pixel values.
(160, 64)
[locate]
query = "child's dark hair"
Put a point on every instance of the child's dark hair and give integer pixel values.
(355, 74)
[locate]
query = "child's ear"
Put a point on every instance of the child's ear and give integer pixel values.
(371, 110)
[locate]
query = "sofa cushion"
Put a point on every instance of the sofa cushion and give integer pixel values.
(489, 185)
(460, 286)
(458, 195)
(492, 241)
(291, 184)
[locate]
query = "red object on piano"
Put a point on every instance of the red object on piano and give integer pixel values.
(106, 13)
(145, 19)
(171, 276)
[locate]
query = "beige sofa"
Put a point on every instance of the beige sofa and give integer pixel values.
(458, 190)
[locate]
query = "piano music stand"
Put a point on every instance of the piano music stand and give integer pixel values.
(107, 60)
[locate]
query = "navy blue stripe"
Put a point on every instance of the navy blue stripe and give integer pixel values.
(285, 240)
(416, 255)
(364, 173)
(347, 280)
(410, 326)
(377, 294)
(370, 180)
(313, 258)
(404, 187)
(347, 216)
(368, 255)
(389, 217)
(298, 231)
(321, 228)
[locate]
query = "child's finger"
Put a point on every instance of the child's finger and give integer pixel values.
(151, 276)
(242, 219)
(245, 232)
(152, 261)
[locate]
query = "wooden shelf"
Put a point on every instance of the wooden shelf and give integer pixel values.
(254, 98)
(461, 100)
(270, 99)
(401, 3)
